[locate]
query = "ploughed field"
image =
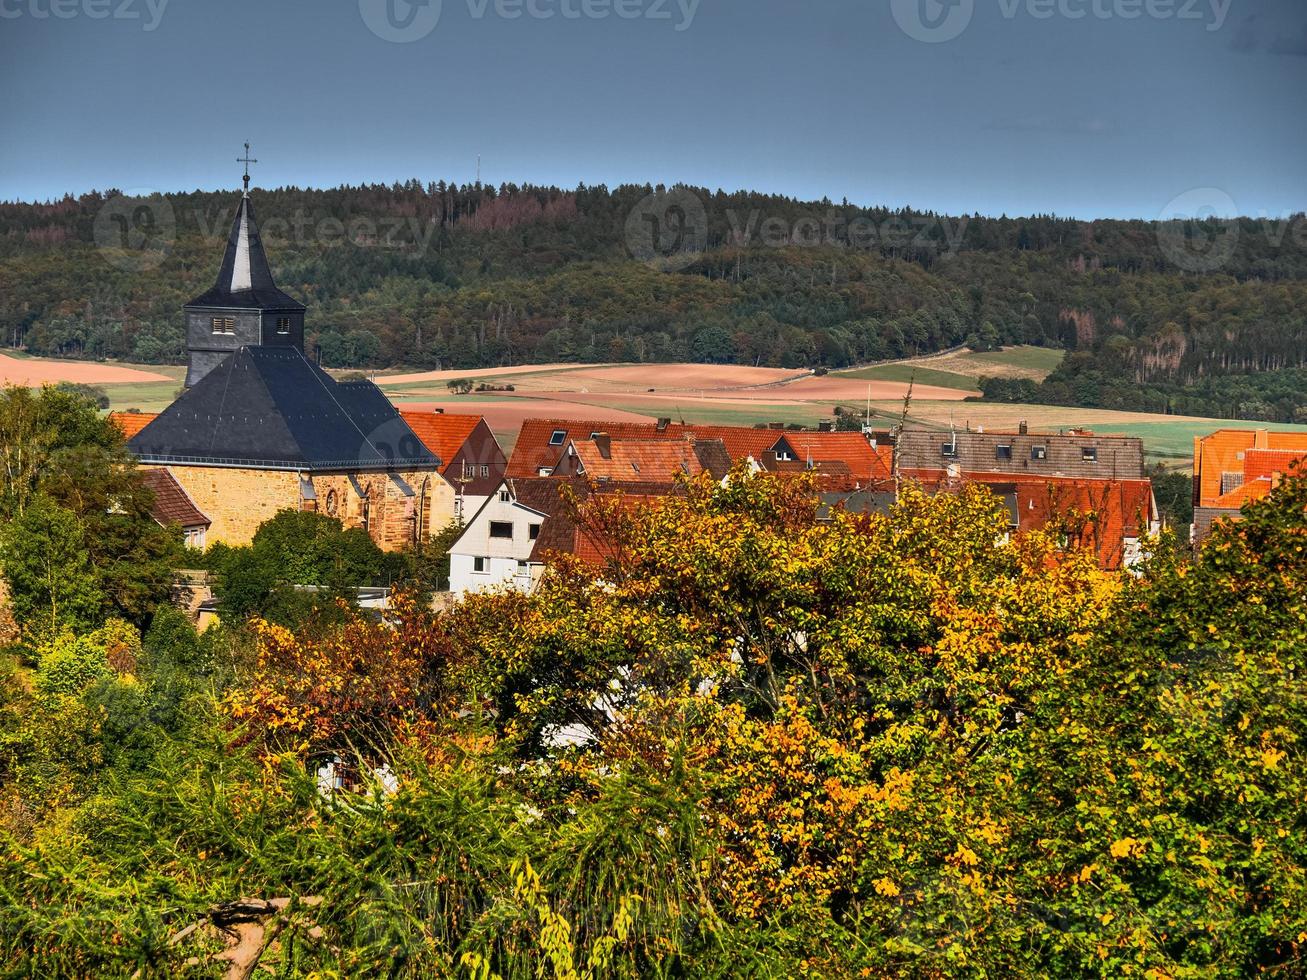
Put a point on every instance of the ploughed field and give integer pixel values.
(705, 393)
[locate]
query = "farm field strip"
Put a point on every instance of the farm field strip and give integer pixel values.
(711, 394)
(914, 373)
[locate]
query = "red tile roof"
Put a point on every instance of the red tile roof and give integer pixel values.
(1226, 451)
(536, 449)
(563, 500)
(865, 463)
(130, 423)
(637, 459)
(443, 434)
(1251, 490)
(1259, 463)
(740, 442)
(1120, 508)
(172, 505)
(1287, 440)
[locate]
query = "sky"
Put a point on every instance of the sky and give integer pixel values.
(1081, 108)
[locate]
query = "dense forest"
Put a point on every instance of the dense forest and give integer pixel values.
(438, 275)
(748, 743)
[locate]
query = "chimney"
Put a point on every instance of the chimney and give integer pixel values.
(604, 443)
(776, 425)
(663, 424)
(1023, 428)
(826, 426)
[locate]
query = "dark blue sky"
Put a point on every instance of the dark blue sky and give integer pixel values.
(1029, 108)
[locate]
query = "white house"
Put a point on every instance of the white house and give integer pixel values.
(498, 547)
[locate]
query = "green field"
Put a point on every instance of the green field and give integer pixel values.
(961, 369)
(706, 413)
(148, 396)
(1175, 440)
(917, 373)
(1166, 439)
(1030, 358)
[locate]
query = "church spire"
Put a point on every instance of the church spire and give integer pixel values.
(244, 308)
(244, 278)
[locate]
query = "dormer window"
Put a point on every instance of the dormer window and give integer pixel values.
(223, 324)
(283, 324)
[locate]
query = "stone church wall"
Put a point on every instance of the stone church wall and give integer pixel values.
(237, 501)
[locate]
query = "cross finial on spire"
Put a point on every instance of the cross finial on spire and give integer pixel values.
(247, 160)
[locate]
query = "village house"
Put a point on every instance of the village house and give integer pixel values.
(471, 460)
(173, 506)
(508, 542)
(1109, 517)
(1235, 466)
(546, 446)
(260, 428)
(605, 458)
(541, 443)
(1077, 453)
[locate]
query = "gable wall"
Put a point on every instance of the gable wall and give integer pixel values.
(502, 555)
(480, 449)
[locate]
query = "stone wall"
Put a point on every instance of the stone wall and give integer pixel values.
(237, 501)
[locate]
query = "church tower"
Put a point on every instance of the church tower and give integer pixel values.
(244, 308)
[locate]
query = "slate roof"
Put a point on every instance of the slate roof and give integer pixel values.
(856, 502)
(172, 505)
(271, 408)
(244, 279)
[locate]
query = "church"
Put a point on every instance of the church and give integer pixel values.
(260, 428)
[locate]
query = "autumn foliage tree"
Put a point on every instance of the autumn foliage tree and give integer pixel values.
(750, 742)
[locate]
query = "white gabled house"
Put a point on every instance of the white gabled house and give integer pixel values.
(498, 547)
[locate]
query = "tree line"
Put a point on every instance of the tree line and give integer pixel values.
(464, 276)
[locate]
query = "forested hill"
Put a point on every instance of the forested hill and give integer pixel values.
(1187, 318)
